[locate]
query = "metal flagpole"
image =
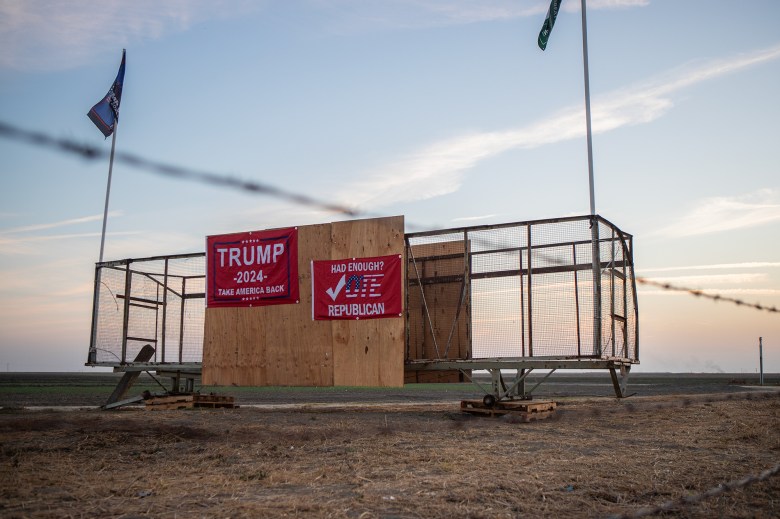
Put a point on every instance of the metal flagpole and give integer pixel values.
(587, 109)
(108, 190)
(105, 115)
(595, 252)
(98, 273)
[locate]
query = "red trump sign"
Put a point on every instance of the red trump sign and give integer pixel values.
(357, 288)
(252, 268)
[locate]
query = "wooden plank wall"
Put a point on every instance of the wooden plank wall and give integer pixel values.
(280, 345)
(438, 260)
(368, 352)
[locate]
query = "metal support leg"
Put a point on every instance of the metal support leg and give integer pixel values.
(519, 387)
(496, 386)
(620, 384)
(500, 391)
(528, 395)
(176, 383)
(129, 378)
(496, 383)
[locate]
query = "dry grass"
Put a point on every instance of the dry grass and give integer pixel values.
(596, 458)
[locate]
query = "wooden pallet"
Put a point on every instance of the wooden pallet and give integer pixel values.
(157, 403)
(189, 401)
(524, 411)
(214, 401)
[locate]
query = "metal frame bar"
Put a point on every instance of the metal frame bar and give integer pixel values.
(620, 383)
(181, 320)
(620, 266)
(152, 366)
(488, 227)
(522, 307)
(464, 287)
(576, 300)
(518, 363)
(92, 354)
(540, 382)
(126, 310)
(162, 276)
(164, 311)
(530, 293)
(426, 314)
(617, 265)
(150, 258)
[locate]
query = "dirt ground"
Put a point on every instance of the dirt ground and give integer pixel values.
(397, 457)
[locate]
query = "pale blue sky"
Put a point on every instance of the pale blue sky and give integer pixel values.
(445, 111)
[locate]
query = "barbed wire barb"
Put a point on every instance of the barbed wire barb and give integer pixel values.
(89, 152)
(698, 498)
(701, 293)
(92, 153)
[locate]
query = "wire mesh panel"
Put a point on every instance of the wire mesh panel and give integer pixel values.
(528, 288)
(497, 299)
(519, 290)
(438, 269)
(497, 317)
(157, 301)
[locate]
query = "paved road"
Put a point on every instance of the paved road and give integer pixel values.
(87, 389)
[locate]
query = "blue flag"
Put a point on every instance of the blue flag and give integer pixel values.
(549, 21)
(105, 114)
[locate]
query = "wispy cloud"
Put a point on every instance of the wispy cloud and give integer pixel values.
(615, 4)
(39, 277)
(25, 244)
(61, 223)
(720, 214)
(363, 15)
(61, 34)
(474, 218)
(146, 243)
(20, 240)
(439, 168)
(274, 213)
(55, 237)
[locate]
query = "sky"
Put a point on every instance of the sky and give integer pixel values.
(444, 111)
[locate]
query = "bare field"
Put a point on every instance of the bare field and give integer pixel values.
(596, 458)
(93, 388)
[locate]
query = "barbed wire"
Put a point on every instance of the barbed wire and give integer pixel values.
(682, 401)
(687, 501)
(645, 281)
(701, 293)
(89, 152)
(551, 260)
(686, 401)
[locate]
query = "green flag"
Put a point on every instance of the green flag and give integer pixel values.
(552, 13)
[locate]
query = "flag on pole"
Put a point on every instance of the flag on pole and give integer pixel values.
(105, 114)
(552, 13)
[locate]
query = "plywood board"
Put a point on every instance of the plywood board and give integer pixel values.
(441, 331)
(371, 351)
(282, 346)
(272, 345)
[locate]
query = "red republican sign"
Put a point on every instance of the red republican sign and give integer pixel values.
(357, 288)
(255, 268)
